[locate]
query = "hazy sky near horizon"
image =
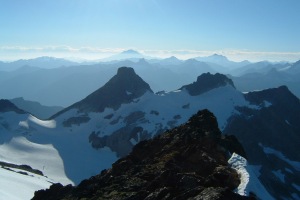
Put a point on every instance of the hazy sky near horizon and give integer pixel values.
(236, 28)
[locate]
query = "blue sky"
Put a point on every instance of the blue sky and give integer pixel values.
(259, 29)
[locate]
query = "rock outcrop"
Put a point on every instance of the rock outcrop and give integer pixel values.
(187, 162)
(206, 82)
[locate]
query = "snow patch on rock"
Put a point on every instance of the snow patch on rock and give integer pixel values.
(268, 150)
(249, 181)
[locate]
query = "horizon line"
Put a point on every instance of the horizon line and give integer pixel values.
(14, 53)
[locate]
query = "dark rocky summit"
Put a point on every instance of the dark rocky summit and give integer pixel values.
(187, 162)
(206, 82)
(124, 87)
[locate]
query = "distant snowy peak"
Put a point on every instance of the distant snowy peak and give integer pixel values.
(130, 51)
(7, 106)
(130, 54)
(206, 82)
(124, 87)
(126, 55)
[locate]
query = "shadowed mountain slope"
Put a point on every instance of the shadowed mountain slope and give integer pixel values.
(124, 87)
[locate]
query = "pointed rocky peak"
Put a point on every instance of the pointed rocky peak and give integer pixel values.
(7, 106)
(206, 82)
(123, 88)
(183, 163)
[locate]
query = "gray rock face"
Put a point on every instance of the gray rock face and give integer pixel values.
(122, 140)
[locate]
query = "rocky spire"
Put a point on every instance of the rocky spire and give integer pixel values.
(125, 86)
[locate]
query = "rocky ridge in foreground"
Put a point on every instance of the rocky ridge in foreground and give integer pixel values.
(187, 162)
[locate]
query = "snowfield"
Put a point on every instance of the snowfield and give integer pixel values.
(64, 153)
(16, 186)
(42, 157)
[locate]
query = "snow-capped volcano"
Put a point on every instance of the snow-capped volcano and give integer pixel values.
(108, 123)
(126, 55)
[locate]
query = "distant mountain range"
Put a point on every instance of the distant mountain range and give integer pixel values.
(222, 61)
(42, 62)
(53, 85)
(271, 76)
(109, 122)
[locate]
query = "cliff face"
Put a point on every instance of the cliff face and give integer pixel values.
(189, 161)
